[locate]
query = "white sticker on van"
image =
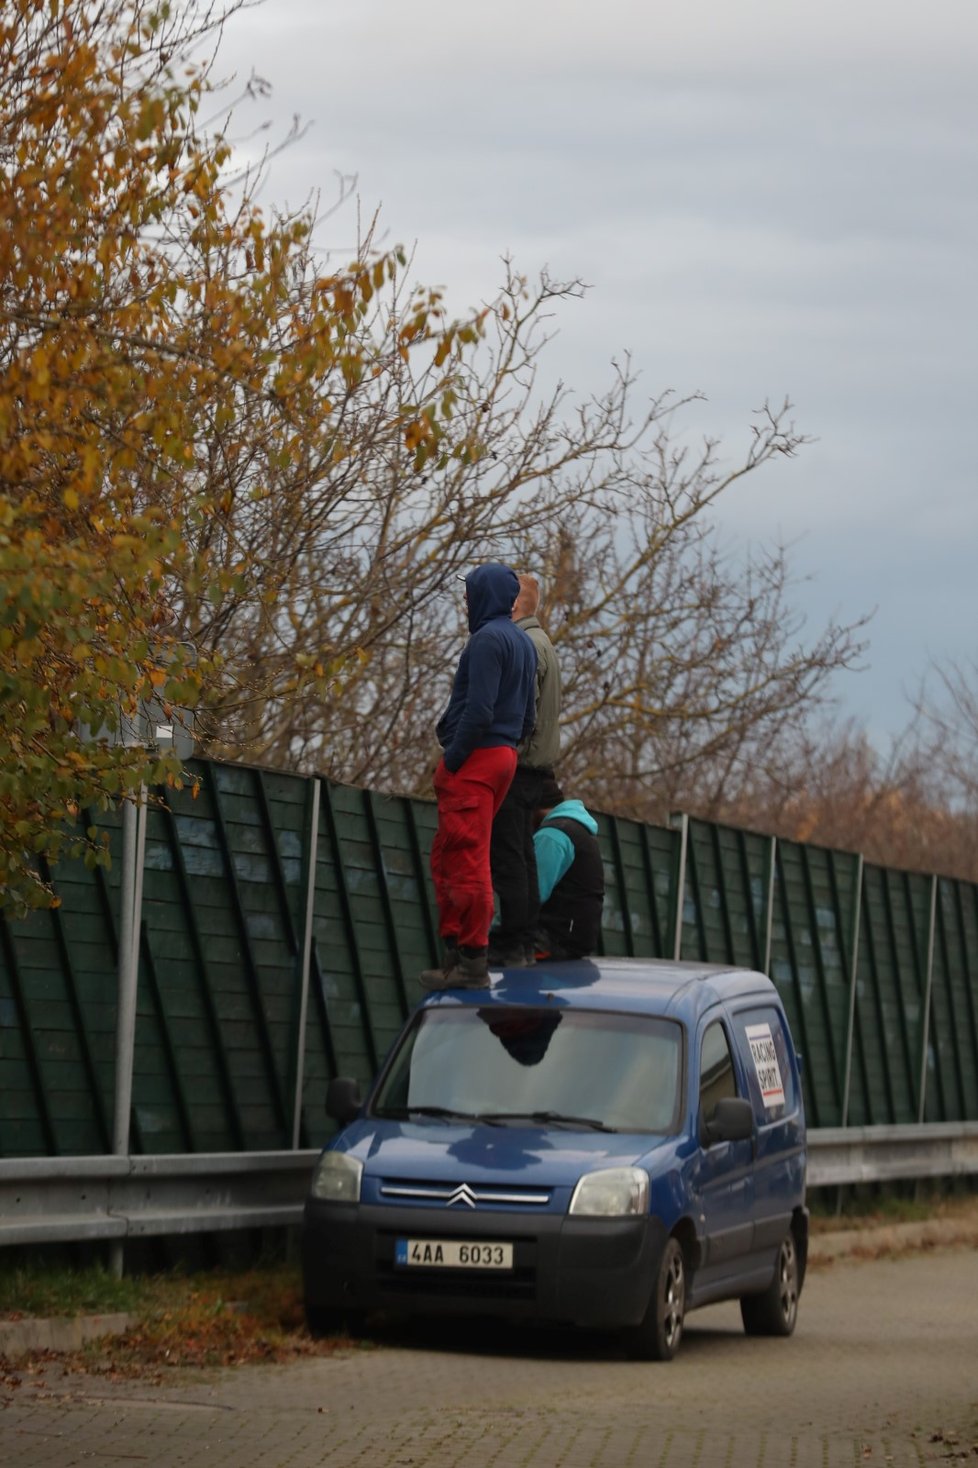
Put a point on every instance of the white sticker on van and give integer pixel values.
(765, 1064)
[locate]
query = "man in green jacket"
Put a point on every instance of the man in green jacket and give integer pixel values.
(514, 871)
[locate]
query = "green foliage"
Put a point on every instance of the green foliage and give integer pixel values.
(42, 1290)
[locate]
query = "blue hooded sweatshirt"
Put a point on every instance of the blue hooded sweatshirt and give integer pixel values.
(493, 698)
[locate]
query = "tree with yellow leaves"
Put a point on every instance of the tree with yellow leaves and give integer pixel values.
(157, 333)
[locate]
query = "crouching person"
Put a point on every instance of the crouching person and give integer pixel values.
(571, 877)
(491, 710)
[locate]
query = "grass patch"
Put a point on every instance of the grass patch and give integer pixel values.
(38, 1289)
(214, 1318)
(879, 1212)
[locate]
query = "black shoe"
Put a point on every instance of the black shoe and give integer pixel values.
(515, 956)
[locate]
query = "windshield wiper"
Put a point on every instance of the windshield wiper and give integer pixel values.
(446, 1113)
(553, 1118)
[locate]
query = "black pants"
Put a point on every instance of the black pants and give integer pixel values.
(511, 856)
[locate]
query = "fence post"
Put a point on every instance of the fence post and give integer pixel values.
(853, 967)
(769, 913)
(300, 1043)
(134, 816)
(677, 933)
(928, 985)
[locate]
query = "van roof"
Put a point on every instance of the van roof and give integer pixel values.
(682, 990)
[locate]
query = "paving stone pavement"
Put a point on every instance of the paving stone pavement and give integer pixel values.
(883, 1369)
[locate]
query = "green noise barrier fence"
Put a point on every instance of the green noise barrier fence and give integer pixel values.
(285, 918)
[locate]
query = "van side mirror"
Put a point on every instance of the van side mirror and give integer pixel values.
(343, 1100)
(732, 1121)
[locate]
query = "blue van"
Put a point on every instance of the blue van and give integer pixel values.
(605, 1143)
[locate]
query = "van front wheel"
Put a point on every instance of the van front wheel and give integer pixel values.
(657, 1337)
(776, 1310)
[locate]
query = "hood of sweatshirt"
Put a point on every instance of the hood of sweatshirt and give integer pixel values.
(490, 591)
(573, 810)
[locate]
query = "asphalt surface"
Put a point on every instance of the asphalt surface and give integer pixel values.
(883, 1369)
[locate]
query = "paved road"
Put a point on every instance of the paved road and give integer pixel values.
(883, 1370)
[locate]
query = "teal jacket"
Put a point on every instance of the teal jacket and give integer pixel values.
(554, 849)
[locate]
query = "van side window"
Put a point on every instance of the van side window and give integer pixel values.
(717, 1077)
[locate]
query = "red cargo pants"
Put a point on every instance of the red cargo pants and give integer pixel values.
(467, 802)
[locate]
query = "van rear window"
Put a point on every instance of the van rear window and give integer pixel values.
(513, 1064)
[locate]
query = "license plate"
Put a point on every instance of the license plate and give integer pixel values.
(450, 1254)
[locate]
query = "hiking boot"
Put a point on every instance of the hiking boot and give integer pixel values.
(466, 972)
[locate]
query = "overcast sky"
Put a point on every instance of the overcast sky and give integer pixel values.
(768, 198)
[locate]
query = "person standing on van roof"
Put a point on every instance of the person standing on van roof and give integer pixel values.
(514, 870)
(571, 877)
(490, 711)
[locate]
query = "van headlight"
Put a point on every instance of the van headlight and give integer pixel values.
(337, 1178)
(616, 1192)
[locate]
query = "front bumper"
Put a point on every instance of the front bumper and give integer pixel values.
(584, 1271)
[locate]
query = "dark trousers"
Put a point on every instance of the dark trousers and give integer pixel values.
(514, 867)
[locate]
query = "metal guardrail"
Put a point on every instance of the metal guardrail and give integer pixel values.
(881, 1154)
(64, 1199)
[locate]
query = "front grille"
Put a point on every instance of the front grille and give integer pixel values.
(463, 1196)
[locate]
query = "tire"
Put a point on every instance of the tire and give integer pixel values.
(321, 1321)
(775, 1311)
(657, 1337)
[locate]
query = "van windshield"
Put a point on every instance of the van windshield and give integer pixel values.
(512, 1065)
